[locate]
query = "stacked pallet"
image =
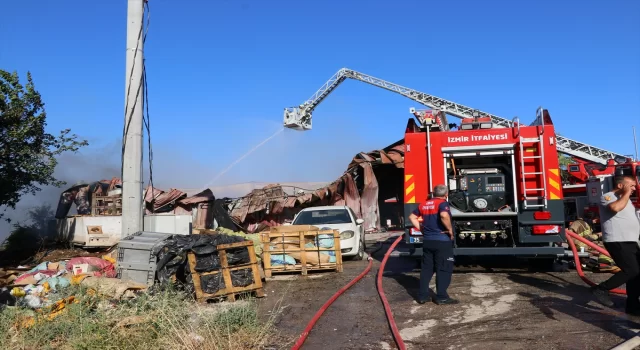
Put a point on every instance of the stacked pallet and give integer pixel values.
(223, 278)
(300, 248)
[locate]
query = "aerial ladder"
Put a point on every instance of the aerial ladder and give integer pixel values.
(299, 118)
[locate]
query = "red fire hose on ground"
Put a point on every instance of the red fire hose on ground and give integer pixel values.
(628, 344)
(305, 332)
(387, 308)
(576, 258)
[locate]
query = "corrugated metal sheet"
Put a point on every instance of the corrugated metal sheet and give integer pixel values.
(271, 205)
(351, 195)
(369, 199)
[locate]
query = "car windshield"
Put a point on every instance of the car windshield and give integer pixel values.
(326, 217)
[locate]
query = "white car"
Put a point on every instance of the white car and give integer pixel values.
(341, 218)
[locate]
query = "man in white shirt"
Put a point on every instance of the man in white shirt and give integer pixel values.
(621, 235)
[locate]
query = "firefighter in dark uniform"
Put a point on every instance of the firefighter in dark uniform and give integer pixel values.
(437, 247)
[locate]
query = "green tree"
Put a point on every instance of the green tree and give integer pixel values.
(27, 152)
(563, 162)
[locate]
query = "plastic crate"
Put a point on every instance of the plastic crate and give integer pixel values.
(136, 261)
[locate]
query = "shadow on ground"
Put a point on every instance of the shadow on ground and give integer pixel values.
(579, 305)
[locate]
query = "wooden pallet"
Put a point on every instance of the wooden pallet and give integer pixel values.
(106, 205)
(229, 292)
(282, 240)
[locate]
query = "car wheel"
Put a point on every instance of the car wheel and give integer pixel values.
(360, 255)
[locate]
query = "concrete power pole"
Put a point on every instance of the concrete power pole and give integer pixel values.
(132, 219)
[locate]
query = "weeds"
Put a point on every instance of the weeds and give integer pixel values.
(165, 320)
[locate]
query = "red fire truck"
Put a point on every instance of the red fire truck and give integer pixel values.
(504, 177)
(505, 191)
(588, 181)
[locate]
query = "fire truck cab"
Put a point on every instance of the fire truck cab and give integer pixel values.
(505, 190)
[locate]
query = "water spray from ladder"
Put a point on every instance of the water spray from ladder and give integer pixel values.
(242, 157)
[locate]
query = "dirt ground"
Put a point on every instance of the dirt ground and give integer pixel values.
(500, 309)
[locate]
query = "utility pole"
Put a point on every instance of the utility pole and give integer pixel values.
(635, 142)
(132, 138)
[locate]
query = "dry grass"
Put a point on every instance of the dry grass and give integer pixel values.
(164, 320)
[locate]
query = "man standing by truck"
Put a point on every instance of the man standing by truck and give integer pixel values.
(621, 235)
(437, 247)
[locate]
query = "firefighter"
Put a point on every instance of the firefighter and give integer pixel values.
(437, 247)
(596, 261)
(621, 234)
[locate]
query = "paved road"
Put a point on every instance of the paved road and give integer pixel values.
(500, 309)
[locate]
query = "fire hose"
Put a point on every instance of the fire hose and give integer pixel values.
(576, 258)
(392, 323)
(387, 308)
(305, 332)
(630, 343)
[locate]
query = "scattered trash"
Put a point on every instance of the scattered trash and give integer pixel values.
(31, 288)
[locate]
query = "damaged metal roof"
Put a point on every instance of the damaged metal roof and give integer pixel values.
(272, 199)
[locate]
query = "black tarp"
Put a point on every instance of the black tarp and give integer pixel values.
(221, 214)
(173, 263)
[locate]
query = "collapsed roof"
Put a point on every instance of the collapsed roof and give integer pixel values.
(357, 187)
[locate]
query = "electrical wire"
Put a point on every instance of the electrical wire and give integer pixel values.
(143, 85)
(146, 118)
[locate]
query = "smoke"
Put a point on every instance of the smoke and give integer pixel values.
(308, 159)
(92, 163)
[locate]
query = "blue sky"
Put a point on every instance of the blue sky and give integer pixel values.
(221, 72)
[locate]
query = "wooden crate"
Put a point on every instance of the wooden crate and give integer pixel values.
(277, 238)
(229, 291)
(106, 205)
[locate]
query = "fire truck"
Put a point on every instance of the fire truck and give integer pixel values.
(596, 186)
(504, 178)
(504, 183)
(587, 181)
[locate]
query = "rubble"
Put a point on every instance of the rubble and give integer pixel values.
(357, 188)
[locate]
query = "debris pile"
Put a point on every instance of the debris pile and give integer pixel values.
(38, 287)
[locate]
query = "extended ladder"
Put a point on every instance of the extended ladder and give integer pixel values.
(299, 118)
(534, 197)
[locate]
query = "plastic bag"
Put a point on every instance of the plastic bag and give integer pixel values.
(172, 254)
(213, 283)
(105, 268)
(282, 259)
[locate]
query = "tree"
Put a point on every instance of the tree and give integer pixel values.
(27, 152)
(28, 237)
(563, 162)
